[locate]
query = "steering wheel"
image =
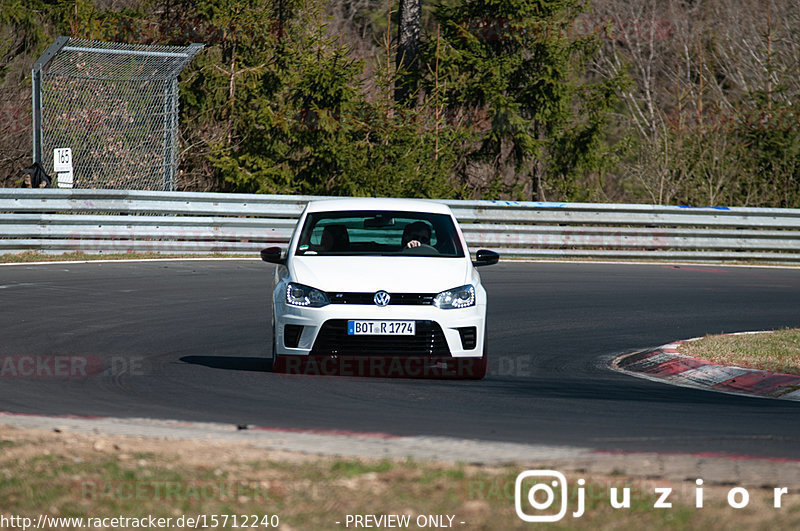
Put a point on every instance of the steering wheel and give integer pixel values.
(422, 249)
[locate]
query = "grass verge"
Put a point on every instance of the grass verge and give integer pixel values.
(64, 474)
(777, 351)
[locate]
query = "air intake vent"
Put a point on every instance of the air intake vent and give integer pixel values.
(333, 340)
(469, 337)
(291, 335)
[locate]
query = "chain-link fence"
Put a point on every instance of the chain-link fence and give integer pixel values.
(115, 106)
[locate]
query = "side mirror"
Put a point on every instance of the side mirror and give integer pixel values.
(272, 255)
(485, 257)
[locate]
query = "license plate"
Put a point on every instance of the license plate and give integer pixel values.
(380, 328)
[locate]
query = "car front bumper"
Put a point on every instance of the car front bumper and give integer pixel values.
(452, 323)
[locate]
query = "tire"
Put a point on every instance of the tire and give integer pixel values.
(480, 369)
(278, 362)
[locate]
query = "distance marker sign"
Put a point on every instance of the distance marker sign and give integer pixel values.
(62, 165)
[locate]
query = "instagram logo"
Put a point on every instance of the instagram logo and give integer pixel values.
(535, 493)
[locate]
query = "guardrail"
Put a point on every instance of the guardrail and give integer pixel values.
(120, 221)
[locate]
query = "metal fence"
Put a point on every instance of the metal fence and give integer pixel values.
(118, 221)
(123, 97)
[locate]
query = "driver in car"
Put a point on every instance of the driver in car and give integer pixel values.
(416, 234)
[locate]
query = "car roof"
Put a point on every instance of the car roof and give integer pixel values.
(378, 203)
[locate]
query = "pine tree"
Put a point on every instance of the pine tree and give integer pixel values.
(519, 66)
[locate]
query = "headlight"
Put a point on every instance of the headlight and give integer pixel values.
(461, 297)
(300, 295)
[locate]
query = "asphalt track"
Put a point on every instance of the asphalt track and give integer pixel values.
(188, 340)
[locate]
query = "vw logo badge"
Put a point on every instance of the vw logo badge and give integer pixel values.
(382, 298)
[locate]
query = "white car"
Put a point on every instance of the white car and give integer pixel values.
(381, 287)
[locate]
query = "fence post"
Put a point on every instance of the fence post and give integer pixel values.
(36, 79)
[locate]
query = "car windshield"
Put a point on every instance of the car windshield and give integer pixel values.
(382, 233)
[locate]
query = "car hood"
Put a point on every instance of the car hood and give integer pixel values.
(372, 273)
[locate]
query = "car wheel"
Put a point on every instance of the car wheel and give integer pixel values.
(480, 367)
(278, 362)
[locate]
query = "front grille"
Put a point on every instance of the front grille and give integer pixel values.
(333, 340)
(400, 299)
